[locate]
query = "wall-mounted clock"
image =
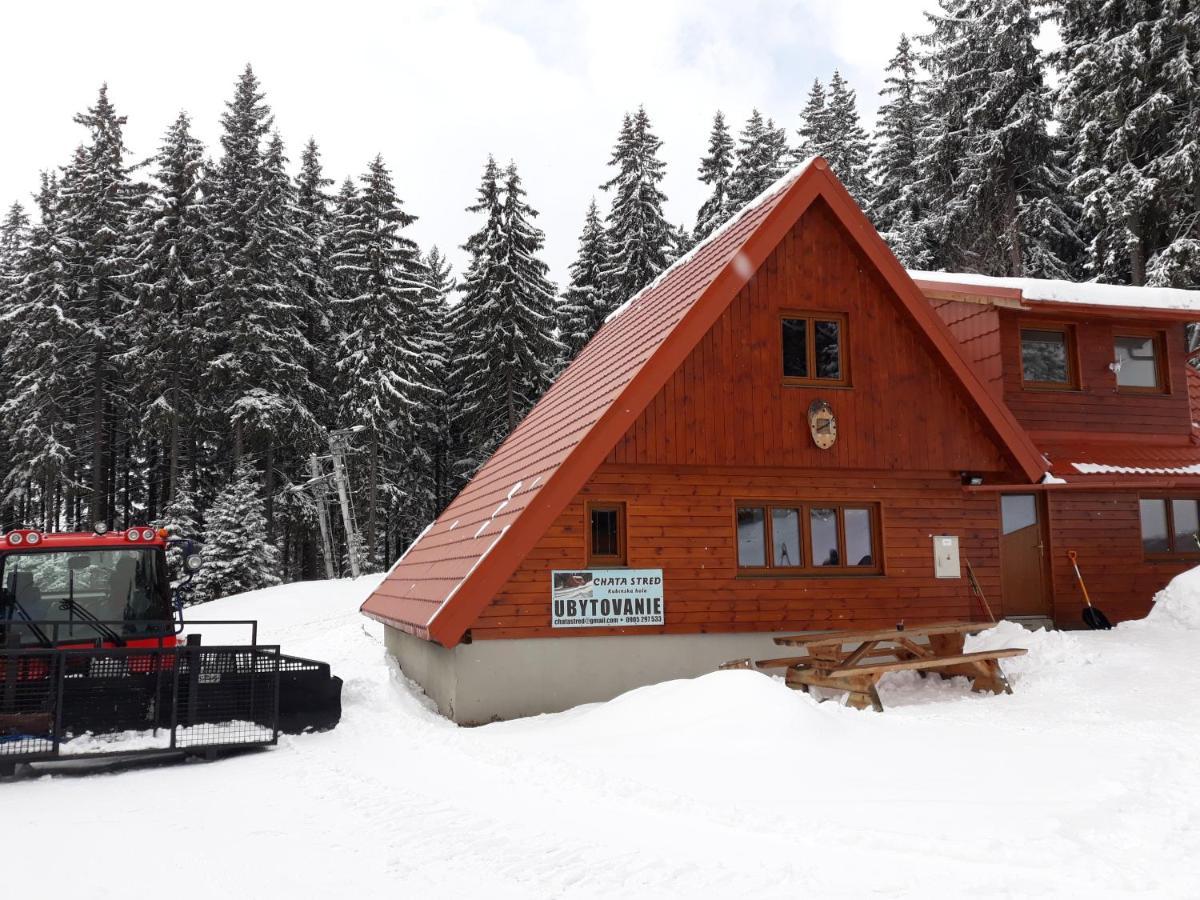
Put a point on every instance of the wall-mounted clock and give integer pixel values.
(822, 424)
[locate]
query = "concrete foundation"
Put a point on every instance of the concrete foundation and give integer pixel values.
(505, 679)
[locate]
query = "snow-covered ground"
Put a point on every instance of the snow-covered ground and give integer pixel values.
(1085, 783)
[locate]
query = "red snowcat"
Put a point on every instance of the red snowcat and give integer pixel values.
(92, 665)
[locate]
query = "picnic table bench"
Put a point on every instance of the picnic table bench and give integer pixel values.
(829, 663)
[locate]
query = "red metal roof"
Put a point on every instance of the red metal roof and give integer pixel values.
(1145, 464)
(445, 579)
(1113, 462)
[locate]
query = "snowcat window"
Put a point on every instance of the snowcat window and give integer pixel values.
(127, 586)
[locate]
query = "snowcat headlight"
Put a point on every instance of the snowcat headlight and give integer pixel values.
(16, 538)
(101, 528)
(33, 538)
(132, 534)
(147, 534)
(192, 563)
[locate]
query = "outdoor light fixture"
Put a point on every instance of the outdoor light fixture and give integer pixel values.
(1115, 367)
(101, 528)
(971, 479)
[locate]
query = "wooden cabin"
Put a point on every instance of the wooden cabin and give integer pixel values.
(788, 432)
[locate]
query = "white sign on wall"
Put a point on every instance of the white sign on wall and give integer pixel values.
(606, 597)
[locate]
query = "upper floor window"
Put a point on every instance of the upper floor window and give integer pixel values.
(1138, 361)
(817, 538)
(606, 534)
(1048, 357)
(814, 348)
(1170, 526)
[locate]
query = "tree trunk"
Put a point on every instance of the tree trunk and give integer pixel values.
(269, 487)
(1016, 261)
(373, 502)
(173, 441)
(98, 510)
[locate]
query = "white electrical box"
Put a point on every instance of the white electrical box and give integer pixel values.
(945, 556)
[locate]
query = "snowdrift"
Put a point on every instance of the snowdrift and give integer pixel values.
(1178, 604)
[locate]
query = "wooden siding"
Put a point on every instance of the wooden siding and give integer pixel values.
(682, 521)
(726, 405)
(1097, 407)
(725, 428)
(1104, 529)
(977, 328)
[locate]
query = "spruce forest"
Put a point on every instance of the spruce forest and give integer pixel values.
(184, 338)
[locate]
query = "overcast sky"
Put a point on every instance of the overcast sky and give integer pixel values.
(435, 87)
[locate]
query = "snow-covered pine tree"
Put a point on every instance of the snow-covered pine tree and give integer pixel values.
(638, 234)
(181, 518)
(259, 367)
(343, 283)
(14, 240)
(1128, 101)
(715, 171)
(314, 221)
(381, 380)
(814, 129)
(989, 160)
(96, 203)
(504, 345)
(14, 244)
(897, 206)
(166, 344)
(587, 299)
(533, 293)
(849, 147)
(238, 556)
(762, 157)
(435, 332)
(682, 241)
(41, 477)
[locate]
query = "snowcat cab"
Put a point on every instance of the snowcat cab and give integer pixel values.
(90, 627)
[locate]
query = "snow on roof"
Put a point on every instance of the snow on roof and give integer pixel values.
(1090, 293)
(1097, 459)
(1100, 469)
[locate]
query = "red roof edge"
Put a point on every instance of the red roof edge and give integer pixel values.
(1010, 433)
(453, 619)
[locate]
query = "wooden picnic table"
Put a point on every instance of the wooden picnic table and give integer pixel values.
(854, 661)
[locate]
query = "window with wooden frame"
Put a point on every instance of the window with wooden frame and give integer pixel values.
(1048, 357)
(1138, 358)
(808, 538)
(606, 540)
(1170, 527)
(814, 349)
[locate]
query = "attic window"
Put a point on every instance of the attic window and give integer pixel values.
(1048, 357)
(814, 349)
(1138, 361)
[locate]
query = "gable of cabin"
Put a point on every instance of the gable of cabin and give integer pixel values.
(727, 432)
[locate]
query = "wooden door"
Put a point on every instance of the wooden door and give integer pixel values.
(1022, 556)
